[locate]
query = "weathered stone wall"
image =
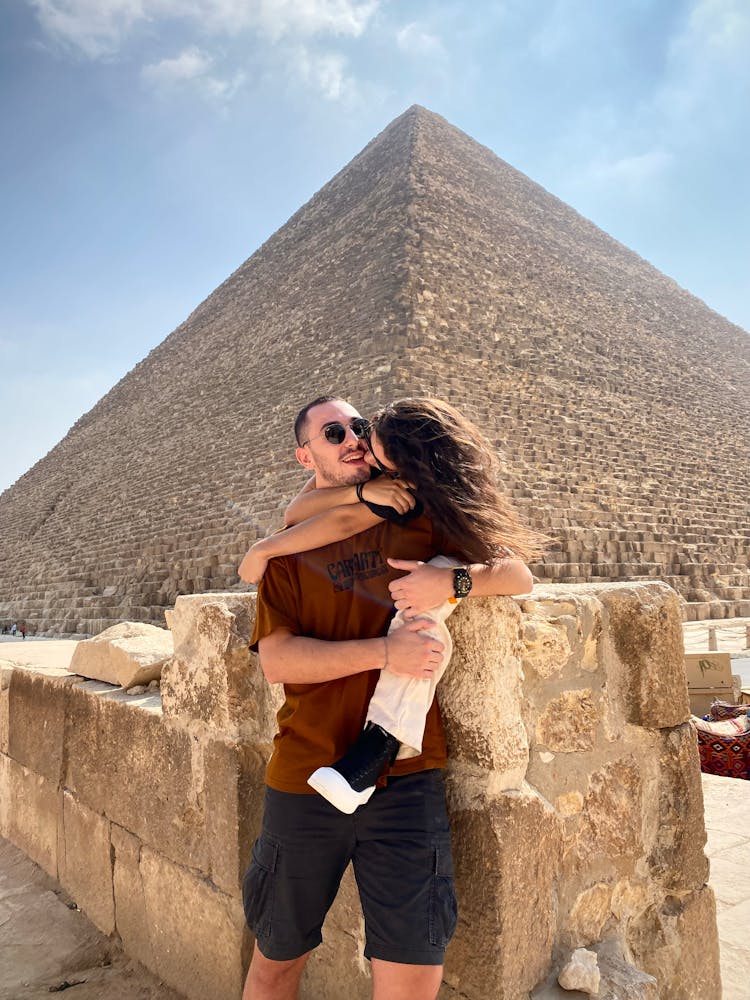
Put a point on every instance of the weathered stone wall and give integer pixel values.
(574, 789)
(428, 264)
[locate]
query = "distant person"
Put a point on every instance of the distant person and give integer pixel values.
(13, 629)
(23, 630)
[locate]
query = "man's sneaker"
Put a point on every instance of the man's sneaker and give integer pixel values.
(350, 782)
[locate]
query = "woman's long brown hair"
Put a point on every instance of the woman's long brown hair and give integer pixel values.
(455, 471)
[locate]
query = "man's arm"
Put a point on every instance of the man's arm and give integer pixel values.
(293, 659)
(426, 586)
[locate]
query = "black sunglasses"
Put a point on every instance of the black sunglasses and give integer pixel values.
(335, 432)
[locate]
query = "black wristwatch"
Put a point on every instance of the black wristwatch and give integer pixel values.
(461, 582)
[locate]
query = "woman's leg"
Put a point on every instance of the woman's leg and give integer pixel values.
(399, 705)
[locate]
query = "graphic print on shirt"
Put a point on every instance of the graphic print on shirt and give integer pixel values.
(361, 566)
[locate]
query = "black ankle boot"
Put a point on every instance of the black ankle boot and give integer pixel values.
(351, 780)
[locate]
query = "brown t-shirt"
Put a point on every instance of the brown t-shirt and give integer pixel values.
(338, 592)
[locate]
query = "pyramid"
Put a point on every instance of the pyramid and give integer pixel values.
(620, 401)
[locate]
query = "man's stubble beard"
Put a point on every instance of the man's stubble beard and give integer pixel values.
(341, 477)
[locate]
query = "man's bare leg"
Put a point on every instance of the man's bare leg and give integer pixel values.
(269, 980)
(394, 981)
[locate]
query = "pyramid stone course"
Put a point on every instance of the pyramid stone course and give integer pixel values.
(427, 265)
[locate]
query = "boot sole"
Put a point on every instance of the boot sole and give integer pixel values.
(336, 789)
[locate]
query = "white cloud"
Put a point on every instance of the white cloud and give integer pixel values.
(326, 72)
(716, 29)
(633, 172)
(416, 40)
(98, 28)
(188, 65)
(191, 68)
(95, 27)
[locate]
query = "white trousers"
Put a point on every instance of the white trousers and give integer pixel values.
(400, 704)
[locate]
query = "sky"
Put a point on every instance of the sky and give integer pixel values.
(151, 146)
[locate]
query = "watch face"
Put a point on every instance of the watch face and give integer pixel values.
(461, 582)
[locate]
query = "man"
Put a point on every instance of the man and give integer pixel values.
(322, 618)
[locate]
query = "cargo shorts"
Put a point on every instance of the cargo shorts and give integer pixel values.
(400, 849)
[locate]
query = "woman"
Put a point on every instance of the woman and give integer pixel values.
(425, 455)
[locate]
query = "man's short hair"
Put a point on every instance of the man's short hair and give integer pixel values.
(300, 422)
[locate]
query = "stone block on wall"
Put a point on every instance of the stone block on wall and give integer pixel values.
(213, 677)
(234, 786)
(6, 672)
(506, 895)
(676, 942)
(677, 832)
(480, 694)
(644, 627)
(130, 899)
(85, 862)
(125, 762)
(30, 813)
(37, 704)
(198, 936)
(127, 654)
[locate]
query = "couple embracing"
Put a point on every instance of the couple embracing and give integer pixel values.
(401, 520)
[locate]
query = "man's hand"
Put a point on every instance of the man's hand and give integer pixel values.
(389, 493)
(422, 588)
(412, 652)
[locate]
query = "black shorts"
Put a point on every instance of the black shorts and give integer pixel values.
(399, 845)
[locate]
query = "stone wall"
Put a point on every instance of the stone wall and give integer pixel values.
(574, 789)
(426, 265)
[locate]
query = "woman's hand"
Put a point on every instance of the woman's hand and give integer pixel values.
(253, 566)
(389, 493)
(422, 588)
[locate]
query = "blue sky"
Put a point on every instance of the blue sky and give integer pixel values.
(150, 146)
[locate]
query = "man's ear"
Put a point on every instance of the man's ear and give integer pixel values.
(303, 457)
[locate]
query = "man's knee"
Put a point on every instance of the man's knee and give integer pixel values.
(394, 981)
(268, 978)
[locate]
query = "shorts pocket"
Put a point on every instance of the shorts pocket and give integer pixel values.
(443, 905)
(258, 886)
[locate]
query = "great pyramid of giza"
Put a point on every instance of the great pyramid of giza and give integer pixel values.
(620, 401)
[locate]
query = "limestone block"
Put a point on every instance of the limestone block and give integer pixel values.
(213, 677)
(234, 794)
(588, 916)
(126, 654)
(611, 819)
(31, 813)
(644, 628)
(85, 862)
(124, 762)
(569, 722)
(562, 628)
(581, 972)
(198, 935)
(677, 943)
(677, 833)
(546, 648)
(5, 779)
(6, 672)
(621, 980)
(36, 723)
(130, 899)
(506, 896)
(480, 694)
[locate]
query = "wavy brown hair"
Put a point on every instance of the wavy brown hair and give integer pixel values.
(455, 471)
